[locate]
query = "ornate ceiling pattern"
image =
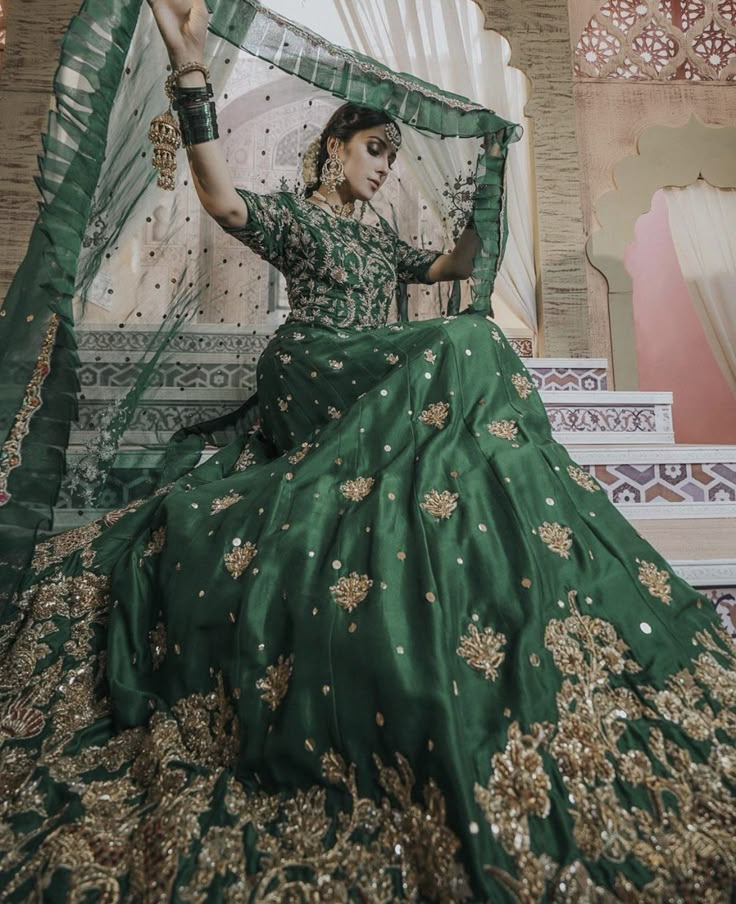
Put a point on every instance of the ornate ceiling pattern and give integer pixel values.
(659, 40)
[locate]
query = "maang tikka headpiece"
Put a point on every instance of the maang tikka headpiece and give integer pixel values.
(393, 134)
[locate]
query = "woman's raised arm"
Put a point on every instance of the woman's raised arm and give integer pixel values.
(183, 26)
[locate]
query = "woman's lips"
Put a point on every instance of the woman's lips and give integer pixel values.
(376, 185)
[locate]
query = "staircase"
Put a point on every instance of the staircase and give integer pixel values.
(680, 498)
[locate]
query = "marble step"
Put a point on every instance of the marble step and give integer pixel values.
(666, 482)
(610, 418)
(577, 416)
(684, 483)
(233, 366)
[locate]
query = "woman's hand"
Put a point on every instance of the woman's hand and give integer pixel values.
(183, 26)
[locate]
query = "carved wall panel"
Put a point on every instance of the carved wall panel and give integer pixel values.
(659, 40)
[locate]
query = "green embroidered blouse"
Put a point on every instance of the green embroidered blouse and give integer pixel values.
(339, 272)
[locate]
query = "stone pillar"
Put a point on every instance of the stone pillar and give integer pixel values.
(539, 34)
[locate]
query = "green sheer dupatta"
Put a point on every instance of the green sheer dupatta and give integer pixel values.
(38, 359)
(96, 182)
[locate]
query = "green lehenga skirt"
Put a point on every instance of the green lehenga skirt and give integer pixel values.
(390, 643)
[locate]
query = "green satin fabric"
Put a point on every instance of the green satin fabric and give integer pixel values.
(463, 677)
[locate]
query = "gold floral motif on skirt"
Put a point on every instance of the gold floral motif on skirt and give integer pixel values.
(504, 429)
(440, 505)
(435, 415)
(239, 558)
(523, 385)
(684, 837)
(275, 683)
(157, 542)
(483, 650)
(244, 460)
(356, 490)
(224, 502)
(583, 479)
(557, 537)
(656, 581)
(53, 551)
(301, 453)
(351, 590)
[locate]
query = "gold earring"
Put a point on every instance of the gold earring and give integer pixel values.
(333, 173)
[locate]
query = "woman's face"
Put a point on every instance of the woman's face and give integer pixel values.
(367, 158)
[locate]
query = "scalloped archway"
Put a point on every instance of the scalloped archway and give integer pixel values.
(666, 157)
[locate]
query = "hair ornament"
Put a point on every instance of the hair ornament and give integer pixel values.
(393, 134)
(309, 163)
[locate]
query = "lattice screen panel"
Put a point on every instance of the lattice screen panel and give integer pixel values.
(659, 40)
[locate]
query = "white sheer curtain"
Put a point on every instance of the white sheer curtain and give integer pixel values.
(703, 226)
(444, 42)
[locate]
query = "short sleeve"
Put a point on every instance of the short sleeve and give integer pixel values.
(269, 219)
(412, 264)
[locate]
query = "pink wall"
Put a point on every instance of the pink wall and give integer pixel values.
(671, 348)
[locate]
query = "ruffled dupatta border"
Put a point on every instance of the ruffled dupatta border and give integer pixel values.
(38, 357)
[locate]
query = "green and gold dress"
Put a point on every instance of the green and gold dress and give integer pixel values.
(390, 643)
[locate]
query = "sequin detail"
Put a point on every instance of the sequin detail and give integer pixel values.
(53, 551)
(10, 453)
(157, 542)
(504, 429)
(435, 415)
(351, 590)
(582, 478)
(238, 560)
(656, 581)
(483, 650)
(275, 683)
(556, 537)
(224, 502)
(440, 504)
(301, 453)
(356, 490)
(523, 385)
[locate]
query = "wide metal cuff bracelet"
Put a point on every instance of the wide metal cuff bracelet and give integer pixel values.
(198, 123)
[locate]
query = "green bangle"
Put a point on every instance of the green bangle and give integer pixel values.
(198, 123)
(187, 97)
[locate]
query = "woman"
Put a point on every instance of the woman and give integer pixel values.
(396, 645)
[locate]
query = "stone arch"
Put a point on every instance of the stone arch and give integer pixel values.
(666, 157)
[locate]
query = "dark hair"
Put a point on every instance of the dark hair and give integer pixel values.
(343, 124)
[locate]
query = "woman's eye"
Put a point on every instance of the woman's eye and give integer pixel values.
(373, 150)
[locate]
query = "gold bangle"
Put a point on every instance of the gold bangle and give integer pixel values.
(183, 70)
